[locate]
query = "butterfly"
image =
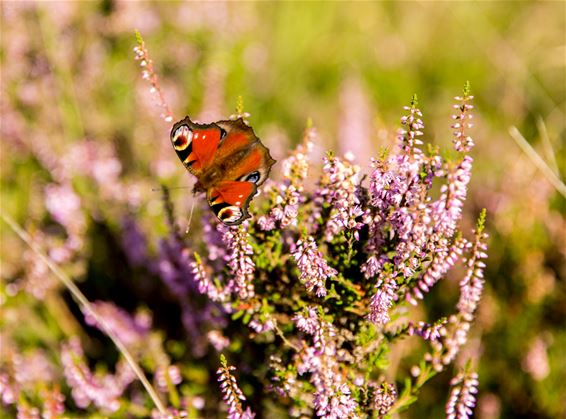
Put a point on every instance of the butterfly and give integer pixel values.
(229, 162)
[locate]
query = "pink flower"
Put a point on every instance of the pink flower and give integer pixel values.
(313, 268)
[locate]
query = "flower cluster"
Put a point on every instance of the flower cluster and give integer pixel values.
(239, 260)
(102, 390)
(232, 394)
(462, 395)
(338, 189)
(314, 269)
(148, 73)
(332, 398)
(287, 196)
(133, 331)
(384, 397)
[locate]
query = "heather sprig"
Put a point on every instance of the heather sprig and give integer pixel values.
(314, 271)
(286, 196)
(148, 73)
(231, 393)
(464, 387)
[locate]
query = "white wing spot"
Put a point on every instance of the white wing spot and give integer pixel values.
(204, 137)
(238, 202)
(240, 196)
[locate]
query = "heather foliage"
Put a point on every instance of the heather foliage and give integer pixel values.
(359, 288)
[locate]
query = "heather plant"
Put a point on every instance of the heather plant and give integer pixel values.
(353, 291)
(308, 298)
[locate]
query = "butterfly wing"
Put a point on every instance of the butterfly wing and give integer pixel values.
(230, 200)
(196, 144)
(243, 154)
(247, 163)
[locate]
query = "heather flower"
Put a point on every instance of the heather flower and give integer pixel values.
(338, 188)
(102, 390)
(262, 325)
(462, 142)
(32, 368)
(213, 237)
(447, 211)
(239, 259)
(471, 286)
(27, 412)
(218, 340)
(204, 282)
(384, 397)
(231, 393)
(443, 260)
(535, 361)
(313, 268)
(462, 395)
(53, 404)
(409, 141)
(8, 389)
(165, 376)
(288, 195)
(36, 281)
(64, 205)
(382, 300)
(148, 73)
(332, 398)
(336, 405)
(134, 242)
(307, 322)
(174, 266)
(432, 332)
(132, 331)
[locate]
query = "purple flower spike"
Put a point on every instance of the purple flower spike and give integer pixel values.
(314, 269)
(462, 396)
(231, 393)
(239, 259)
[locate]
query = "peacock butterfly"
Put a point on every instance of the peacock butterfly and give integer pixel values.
(229, 162)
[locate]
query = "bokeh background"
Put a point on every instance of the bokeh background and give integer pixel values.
(69, 83)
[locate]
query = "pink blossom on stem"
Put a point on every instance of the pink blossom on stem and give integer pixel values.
(338, 188)
(471, 286)
(239, 259)
(132, 331)
(53, 404)
(204, 282)
(287, 195)
(443, 260)
(462, 400)
(313, 268)
(462, 142)
(102, 390)
(332, 398)
(384, 397)
(148, 73)
(231, 393)
(383, 299)
(166, 376)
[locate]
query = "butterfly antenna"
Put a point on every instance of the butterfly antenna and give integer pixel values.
(172, 188)
(190, 217)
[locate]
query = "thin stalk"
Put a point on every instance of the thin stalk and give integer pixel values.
(87, 308)
(538, 161)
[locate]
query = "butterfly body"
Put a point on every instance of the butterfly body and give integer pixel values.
(229, 162)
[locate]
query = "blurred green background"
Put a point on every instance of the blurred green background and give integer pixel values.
(68, 74)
